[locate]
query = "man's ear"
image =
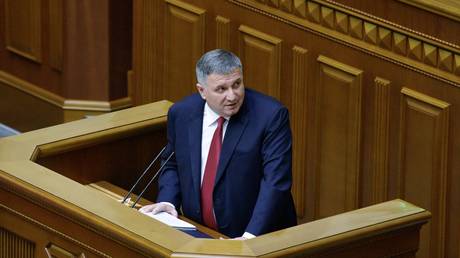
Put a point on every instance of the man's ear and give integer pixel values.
(200, 89)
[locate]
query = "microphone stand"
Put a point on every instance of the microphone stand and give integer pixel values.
(142, 175)
(151, 180)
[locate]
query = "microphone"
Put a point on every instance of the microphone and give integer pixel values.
(151, 180)
(142, 175)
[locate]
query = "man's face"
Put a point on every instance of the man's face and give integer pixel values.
(224, 93)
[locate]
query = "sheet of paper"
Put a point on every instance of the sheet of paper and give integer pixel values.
(170, 220)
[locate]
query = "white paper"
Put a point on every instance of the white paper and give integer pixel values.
(171, 221)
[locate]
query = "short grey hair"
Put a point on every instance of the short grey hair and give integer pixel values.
(218, 61)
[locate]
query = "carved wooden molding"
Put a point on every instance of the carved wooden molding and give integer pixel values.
(375, 36)
(381, 139)
(338, 107)
(13, 245)
(66, 104)
(222, 32)
(426, 117)
(447, 8)
(299, 121)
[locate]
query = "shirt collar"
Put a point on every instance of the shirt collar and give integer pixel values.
(210, 116)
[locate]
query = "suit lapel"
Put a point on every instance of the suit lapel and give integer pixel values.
(194, 136)
(235, 129)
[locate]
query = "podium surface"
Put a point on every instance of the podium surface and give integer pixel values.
(48, 210)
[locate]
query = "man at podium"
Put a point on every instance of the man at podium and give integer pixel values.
(231, 168)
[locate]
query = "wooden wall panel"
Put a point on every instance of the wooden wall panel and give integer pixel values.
(145, 57)
(56, 27)
(260, 54)
(184, 44)
(424, 146)
(338, 106)
(23, 28)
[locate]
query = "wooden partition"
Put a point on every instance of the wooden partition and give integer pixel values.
(63, 59)
(47, 208)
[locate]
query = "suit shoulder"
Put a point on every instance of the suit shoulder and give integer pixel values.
(263, 103)
(188, 104)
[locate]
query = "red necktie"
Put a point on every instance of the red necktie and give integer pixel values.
(210, 175)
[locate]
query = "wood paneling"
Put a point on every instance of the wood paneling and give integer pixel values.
(381, 139)
(345, 106)
(23, 28)
(56, 27)
(338, 106)
(145, 57)
(222, 32)
(298, 122)
(260, 54)
(81, 52)
(423, 148)
(184, 44)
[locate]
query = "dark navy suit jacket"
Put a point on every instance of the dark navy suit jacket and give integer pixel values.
(253, 180)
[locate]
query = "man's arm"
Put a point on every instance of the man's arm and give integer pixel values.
(275, 186)
(168, 183)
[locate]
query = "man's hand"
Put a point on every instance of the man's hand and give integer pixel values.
(235, 238)
(159, 207)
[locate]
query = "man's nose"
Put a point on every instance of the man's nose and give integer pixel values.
(230, 94)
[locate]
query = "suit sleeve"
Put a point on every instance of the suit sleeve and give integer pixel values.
(276, 182)
(168, 183)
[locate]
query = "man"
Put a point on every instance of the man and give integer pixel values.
(231, 173)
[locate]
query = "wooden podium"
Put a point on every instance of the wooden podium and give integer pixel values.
(48, 209)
